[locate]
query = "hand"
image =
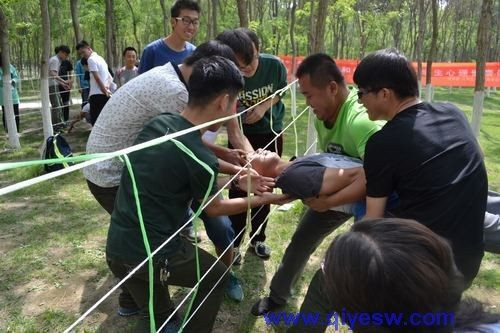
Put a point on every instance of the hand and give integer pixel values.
(275, 199)
(319, 204)
(258, 184)
(255, 114)
(235, 156)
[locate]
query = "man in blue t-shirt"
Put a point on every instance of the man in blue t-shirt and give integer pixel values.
(185, 21)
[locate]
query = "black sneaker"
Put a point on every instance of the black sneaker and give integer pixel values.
(265, 305)
(188, 233)
(127, 312)
(261, 250)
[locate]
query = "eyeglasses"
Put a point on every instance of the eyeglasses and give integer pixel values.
(186, 21)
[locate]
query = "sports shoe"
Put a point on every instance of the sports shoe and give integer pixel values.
(261, 250)
(127, 312)
(265, 305)
(234, 290)
(236, 257)
(188, 233)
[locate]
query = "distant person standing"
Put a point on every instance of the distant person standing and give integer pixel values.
(82, 74)
(130, 70)
(100, 79)
(14, 78)
(65, 91)
(185, 21)
(55, 81)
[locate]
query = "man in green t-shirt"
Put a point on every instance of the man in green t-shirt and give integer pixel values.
(343, 127)
(264, 75)
(168, 180)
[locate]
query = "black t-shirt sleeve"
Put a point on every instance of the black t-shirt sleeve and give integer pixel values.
(199, 178)
(380, 166)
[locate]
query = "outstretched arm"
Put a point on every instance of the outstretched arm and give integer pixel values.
(239, 205)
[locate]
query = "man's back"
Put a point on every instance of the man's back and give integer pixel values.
(429, 155)
(125, 114)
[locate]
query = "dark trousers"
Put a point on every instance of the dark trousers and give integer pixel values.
(105, 196)
(56, 103)
(259, 214)
(65, 95)
(85, 96)
(97, 102)
(312, 229)
(182, 268)
(16, 115)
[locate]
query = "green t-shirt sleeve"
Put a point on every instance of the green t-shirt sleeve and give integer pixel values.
(361, 129)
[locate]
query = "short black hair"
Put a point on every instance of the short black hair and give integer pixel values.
(63, 48)
(128, 48)
(252, 35)
(82, 44)
(208, 49)
(179, 5)
(239, 42)
(56, 50)
(211, 77)
(387, 68)
(321, 68)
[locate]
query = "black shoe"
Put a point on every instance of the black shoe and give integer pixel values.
(127, 312)
(261, 250)
(265, 305)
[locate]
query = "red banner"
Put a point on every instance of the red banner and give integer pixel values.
(447, 74)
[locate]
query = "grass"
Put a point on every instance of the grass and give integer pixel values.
(52, 241)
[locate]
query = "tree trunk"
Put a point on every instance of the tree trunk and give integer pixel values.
(242, 13)
(165, 18)
(134, 22)
(483, 42)
(214, 17)
(432, 50)
(362, 35)
(319, 38)
(292, 34)
(7, 86)
(312, 30)
(420, 41)
(44, 70)
(76, 20)
(110, 34)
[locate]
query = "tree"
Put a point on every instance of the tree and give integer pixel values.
(110, 35)
(165, 17)
(483, 42)
(319, 39)
(76, 21)
(432, 50)
(44, 70)
(420, 40)
(134, 22)
(292, 33)
(7, 87)
(243, 13)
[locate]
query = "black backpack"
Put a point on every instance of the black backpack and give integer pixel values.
(56, 147)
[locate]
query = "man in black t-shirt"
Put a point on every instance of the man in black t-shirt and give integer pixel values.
(427, 153)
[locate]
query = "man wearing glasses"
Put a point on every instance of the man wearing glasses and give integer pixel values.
(185, 21)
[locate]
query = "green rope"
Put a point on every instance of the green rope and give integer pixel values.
(78, 158)
(152, 324)
(186, 150)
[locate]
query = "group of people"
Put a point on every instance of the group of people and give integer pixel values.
(411, 171)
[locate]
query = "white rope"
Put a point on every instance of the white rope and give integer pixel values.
(132, 272)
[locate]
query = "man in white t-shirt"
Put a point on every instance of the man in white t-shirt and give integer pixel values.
(61, 53)
(101, 82)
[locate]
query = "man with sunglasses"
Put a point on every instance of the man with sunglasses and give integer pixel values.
(185, 21)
